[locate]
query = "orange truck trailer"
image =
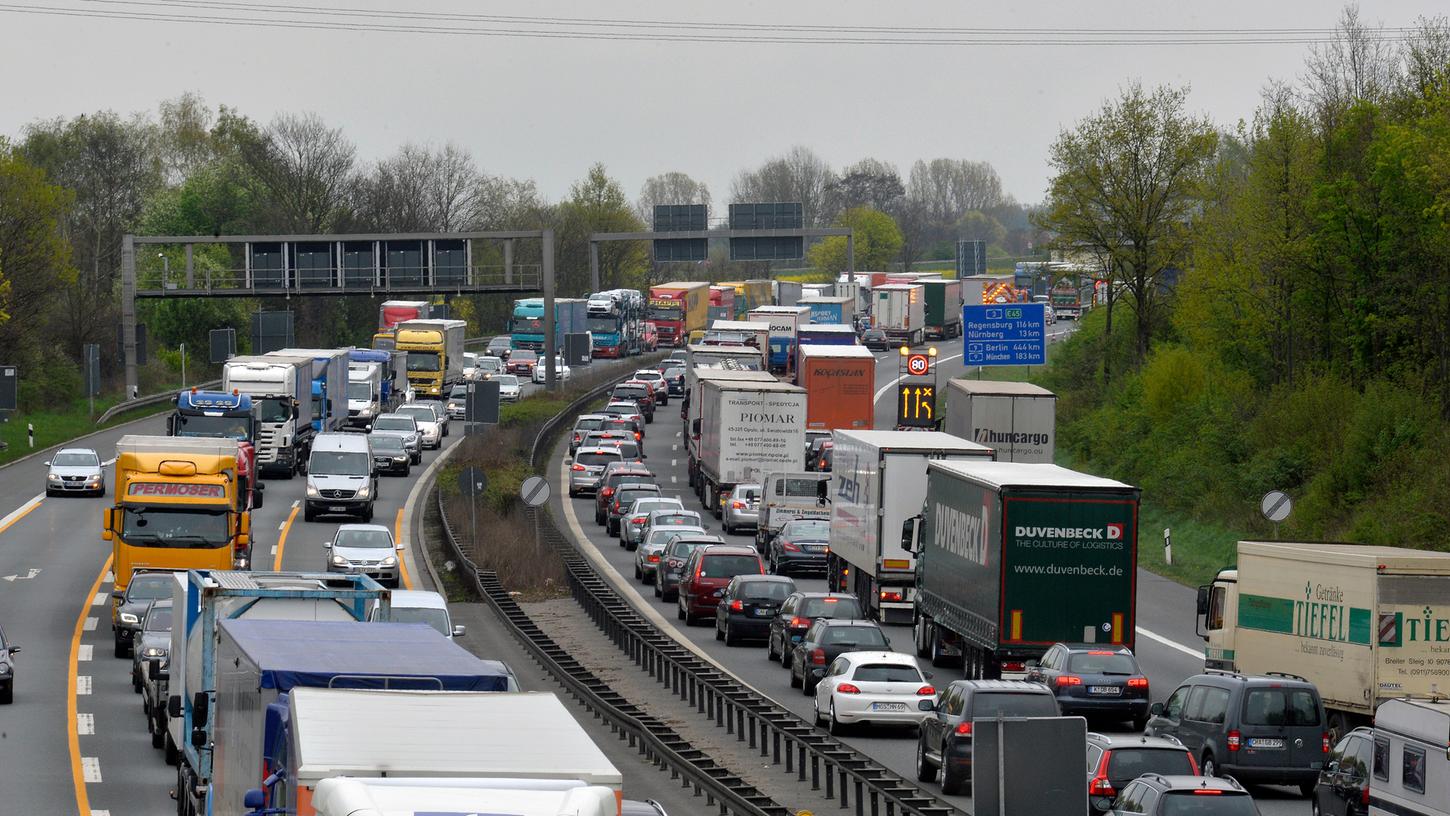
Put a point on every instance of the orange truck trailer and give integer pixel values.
(838, 381)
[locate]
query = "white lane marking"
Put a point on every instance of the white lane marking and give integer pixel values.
(282, 526)
(297, 503)
(674, 447)
(100, 599)
(100, 813)
(888, 386)
(83, 684)
(85, 724)
(1172, 644)
(674, 480)
(109, 462)
(21, 510)
(110, 578)
(274, 549)
(84, 653)
(674, 463)
(91, 769)
(90, 624)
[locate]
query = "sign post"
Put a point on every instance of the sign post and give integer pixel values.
(535, 491)
(472, 481)
(1005, 334)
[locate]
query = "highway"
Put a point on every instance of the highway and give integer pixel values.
(75, 734)
(1167, 647)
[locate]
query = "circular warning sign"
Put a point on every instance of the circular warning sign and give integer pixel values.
(918, 364)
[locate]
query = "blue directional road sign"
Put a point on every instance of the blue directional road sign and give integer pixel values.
(1005, 334)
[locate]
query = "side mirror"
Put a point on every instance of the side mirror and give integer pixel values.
(909, 531)
(108, 523)
(200, 709)
(926, 705)
(1333, 767)
(398, 547)
(1202, 602)
(1032, 664)
(198, 738)
(173, 706)
(47, 464)
(327, 545)
(460, 630)
(15, 650)
(253, 799)
(1155, 710)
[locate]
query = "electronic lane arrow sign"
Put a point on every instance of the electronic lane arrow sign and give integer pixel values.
(916, 405)
(1005, 334)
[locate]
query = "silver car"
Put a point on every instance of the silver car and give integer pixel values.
(429, 426)
(651, 550)
(632, 524)
(742, 508)
(457, 405)
(509, 389)
(588, 466)
(75, 470)
(367, 549)
(405, 426)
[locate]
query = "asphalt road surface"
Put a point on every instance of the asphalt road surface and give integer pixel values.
(1168, 649)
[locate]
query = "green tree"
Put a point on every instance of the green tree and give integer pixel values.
(35, 268)
(597, 203)
(876, 237)
(1126, 184)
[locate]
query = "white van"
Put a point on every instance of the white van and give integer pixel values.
(1410, 772)
(341, 477)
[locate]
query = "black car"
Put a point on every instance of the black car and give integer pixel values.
(153, 642)
(501, 347)
(145, 586)
(615, 474)
(675, 378)
(8, 651)
(749, 605)
(389, 455)
(945, 741)
(797, 614)
(826, 640)
(802, 545)
(622, 498)
(876, 340)
(1094, 681)
(1343, 787)
(672, 563)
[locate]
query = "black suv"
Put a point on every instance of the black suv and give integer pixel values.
(1267, 729)
(1343, 788)
(1114, 760)
(749, 605)
(945, 742)
(1093, 680)
(826, 640)
(797, 614)
(1159, 795)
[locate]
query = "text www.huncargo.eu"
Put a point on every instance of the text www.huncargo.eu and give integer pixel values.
(1068, 569)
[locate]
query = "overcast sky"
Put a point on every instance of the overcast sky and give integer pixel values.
(547, 108)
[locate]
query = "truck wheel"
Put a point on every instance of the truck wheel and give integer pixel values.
(172, 755)
(308, 514)
(938, 657)
(923, 646)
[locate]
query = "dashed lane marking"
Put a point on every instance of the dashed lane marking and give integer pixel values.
(80, 773)
(85, 726)
(91, 770)
(83, 684)
(108, 578)
(90, 624)
(296, 504)
(84, 655)
(100, 599)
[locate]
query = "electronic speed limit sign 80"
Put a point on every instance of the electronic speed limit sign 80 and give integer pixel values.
(918, 365)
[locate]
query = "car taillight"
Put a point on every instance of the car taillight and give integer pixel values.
(964, 728)
(578, 468)
(608, 491)
(653, 559)
(890, 597)
(616, 507)
(848, 688)
(1364, 796)
(1068, 680)
(800, 623)
(637, 521)
(1138, 682)
(638, 436)
(737, 606)
(1324, 742)
(1207, 792)
(818, 657)
(926, 691)
(789, 547)
(737, 505)
(1100, 786)
(1235, 740)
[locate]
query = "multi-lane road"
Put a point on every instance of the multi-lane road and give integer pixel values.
(1166, 645)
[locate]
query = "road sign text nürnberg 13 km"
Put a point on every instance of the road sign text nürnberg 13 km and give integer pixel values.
(1005, 334)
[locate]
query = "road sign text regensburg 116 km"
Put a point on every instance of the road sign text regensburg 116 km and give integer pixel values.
(1005, 334)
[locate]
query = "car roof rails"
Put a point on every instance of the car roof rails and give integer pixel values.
(1285, 675)
(1225, 673)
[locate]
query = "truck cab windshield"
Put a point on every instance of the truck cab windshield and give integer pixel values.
(209, 426)
(664, 313)
(339, 463)
(178, 529)
(422, 361)
(359, 391)
(275, 410)
(604, 324)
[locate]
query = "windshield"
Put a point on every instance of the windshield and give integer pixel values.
(845, 608)
(339, 463)
(421, 413)
(1094, 663)
(664, 312)
(458, 391)
(674, 372)
(148, 588)
(607, 325)
(887, 673)
(523, 356)
(647, 374)
(1280, 706)
(661, 537)
(799, 488)
(386, 442)
(177, 529)
(159, 619)
(275, 410)
(436, 618)
(209, 426)
(1127, 764)
(633, 392)
(729, 566)
(507, 379)
(681, 549)
(596, 458)
(676, 520)
(422, 361)
(489, 364)
(990, 706)
(853, 636)
(811, 530)
(359, 391)
(75, 460)
(588, 424)
(765, 590)
(363, 538)
(1186, 803)
(395, 423)
(650, 504)
(627, 497)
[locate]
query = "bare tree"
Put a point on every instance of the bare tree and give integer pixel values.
(1359, 65)
(306, 170)
(949, 188)
(799, 175)
(185, 139)
(670, 188)
(867, 183)
(1426, 57)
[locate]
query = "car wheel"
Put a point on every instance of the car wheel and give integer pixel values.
(368, 513)
(719, 634)
(1140, 724)
(836, 728)
(680, 611)
(1314, 807)
(573, 493)
(795, 682)
(638, 573)
(770, 649)
(952, 781)
(729, 530)
(121, 649)
(1306, 789)
(136, 688)
(308, 514)
(8, 695)
(808, 686)
(816, 718)
(1208, 766)
(925, 771)
(407, 469)
(786, 658)
(730, 638)
(657, 586)
(158, 738)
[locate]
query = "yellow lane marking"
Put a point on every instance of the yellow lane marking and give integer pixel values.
(20, 514)
(402, 560)
(282, 540)
(77, 770)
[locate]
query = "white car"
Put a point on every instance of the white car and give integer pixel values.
(631, 527)
(882, 688)
(487, 367)
(429, 427)
(470, 361)
(420, 606)
(561, 371)
(509, 389)
(657, 381)
(75, 470)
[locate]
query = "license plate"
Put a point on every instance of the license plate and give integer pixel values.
(338, 508)
(813, 547)
(762, 613)
(1107, 690)
(1265, 742)
(888, 706)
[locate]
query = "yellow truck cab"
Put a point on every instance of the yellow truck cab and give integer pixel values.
(178, 506)
(434, 350)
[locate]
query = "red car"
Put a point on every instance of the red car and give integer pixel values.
(522, 362)
(706, 574)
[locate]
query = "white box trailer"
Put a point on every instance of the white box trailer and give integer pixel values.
(747, 431)
(1017, 420)
(878, 482)
(1408, 758)
(1363, 623)
(899, 309)
(695, 379)
(409, 797)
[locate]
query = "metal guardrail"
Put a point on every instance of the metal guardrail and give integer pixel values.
(153, 399)
(836, 770)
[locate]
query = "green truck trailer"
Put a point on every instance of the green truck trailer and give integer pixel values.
(1013, 557)
(943, 308)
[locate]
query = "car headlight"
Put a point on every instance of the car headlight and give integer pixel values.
(4, 668)
(390, 561)
(51, 477)
(153, 651)
(312, 491)
(362, 492)
(127, 617)
(339, 561)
